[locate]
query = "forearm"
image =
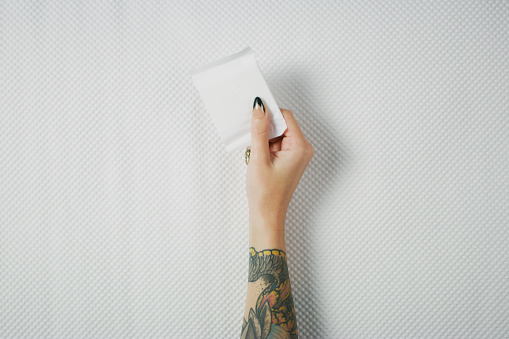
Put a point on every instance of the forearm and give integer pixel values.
(273, 173)
(269, 302)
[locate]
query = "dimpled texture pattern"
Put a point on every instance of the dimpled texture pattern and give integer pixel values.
(122, 215)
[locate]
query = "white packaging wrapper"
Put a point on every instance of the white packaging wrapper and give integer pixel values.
(228, 88)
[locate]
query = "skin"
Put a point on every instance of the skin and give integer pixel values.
(273, 173)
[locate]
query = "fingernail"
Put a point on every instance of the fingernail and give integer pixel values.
(258, 102)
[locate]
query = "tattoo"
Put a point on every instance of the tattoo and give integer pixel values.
(274, 314)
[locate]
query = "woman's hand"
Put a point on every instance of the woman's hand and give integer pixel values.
(273, 173)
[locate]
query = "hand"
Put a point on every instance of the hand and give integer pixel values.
(274, 170)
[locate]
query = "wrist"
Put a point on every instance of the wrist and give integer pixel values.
(267, 230)
(265, 218)
(262, 239)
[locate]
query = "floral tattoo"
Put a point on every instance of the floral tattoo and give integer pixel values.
(274, 314)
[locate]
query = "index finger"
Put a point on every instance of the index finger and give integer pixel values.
(291, 123)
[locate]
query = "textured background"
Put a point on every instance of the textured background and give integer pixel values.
(122, 215)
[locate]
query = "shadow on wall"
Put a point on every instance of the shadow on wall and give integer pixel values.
(293, 91)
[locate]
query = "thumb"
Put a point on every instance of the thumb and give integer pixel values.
(260, 128)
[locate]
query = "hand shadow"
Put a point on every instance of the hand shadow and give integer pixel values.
(292, 91)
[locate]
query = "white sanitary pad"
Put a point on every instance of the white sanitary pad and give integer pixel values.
(228, 88)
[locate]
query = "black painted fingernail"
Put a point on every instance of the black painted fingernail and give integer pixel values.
(258, 101)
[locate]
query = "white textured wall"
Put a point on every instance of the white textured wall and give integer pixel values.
(121, 214)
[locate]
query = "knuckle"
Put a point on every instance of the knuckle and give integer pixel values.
(302, 144)
(306, 150)
(311, 150)
(259, 127)
(259, 131)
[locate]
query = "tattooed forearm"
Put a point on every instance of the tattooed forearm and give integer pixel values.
(273, 315)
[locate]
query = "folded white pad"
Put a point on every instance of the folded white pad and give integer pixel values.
(228, 88)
